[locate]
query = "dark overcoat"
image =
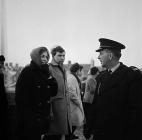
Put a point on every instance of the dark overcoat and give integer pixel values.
(34, 88)
(116, 112)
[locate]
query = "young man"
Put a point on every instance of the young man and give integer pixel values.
(60, 126)
(117, 105)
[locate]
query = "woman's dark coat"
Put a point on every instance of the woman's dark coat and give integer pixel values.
(34, 88)
(116, 112)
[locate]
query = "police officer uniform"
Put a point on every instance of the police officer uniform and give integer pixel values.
(117, 105)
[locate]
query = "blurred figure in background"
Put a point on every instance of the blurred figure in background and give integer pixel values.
(90, 88)
(3, 103)
(74, 90)
(83, 84)
(34, 87)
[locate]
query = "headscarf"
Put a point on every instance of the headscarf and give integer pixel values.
(35, 55)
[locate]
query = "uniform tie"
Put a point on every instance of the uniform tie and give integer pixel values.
(104, 80)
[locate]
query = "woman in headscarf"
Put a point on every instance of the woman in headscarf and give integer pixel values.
(34, 87)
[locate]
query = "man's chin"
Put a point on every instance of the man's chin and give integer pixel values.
(61, 62)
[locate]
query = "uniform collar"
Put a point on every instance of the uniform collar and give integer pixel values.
(114, 68)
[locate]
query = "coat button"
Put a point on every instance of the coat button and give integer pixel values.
(48, 86)
(48, 102)
(40, 104)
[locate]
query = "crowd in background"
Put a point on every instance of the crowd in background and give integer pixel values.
(12, 72)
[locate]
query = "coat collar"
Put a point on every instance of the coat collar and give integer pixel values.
(34, 66)
(115, 68)
(55, 63)
(113, 79)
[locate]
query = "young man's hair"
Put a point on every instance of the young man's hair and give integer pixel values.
(57, 49)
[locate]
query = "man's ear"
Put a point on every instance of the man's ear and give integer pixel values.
(110, 56)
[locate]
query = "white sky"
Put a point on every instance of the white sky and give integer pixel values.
(76, 25)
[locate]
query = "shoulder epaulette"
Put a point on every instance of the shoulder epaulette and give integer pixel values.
(134, 68)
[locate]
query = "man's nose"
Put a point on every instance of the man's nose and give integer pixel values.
(62, 57)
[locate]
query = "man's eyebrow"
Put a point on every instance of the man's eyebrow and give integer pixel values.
(61, 54)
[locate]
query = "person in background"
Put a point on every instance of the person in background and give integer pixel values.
(3, 103)
(83, 84)
(34, 88)
(90, 88)
(116, 112)
(74, 90)
(60, 126)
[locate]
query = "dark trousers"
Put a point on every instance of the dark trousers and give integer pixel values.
(86, 130)
(58, 137)
(69, 136)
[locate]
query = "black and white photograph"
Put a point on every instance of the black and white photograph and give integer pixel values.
(71, 69)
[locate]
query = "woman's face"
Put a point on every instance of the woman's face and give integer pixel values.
(79, 73)
(44, 58)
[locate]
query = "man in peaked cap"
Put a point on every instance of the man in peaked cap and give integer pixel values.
(110, 52)
(116, 112)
